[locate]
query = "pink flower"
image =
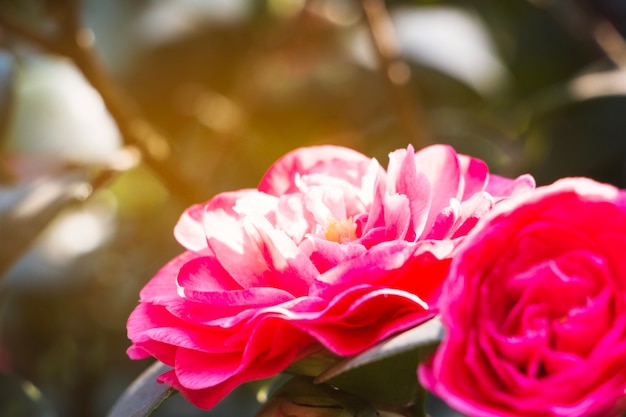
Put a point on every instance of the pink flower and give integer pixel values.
(331, 251)
(535, 308)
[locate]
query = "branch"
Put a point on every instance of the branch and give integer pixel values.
(394, 70)
(135, 130)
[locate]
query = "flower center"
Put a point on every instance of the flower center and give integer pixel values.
(340, 231)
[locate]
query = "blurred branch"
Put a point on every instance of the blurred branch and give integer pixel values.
(394, 70)
(76, 43)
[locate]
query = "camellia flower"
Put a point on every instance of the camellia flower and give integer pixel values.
(331, 251)
(535, 308)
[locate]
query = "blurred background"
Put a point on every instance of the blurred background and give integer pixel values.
(115, 115)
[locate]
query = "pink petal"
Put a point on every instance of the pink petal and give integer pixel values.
(292, 217)
(441, 166)
(189, 230)
(146, 317)
(221, 223)
(472, 210)
(404, 178)
(369, 268)
(333, 161)
(203, 280)
(347, 326)
(208, 397)
(327, 254)
(204, 398)
(474, 173)
(375, 215)
(285, 266)
(398, 216)
(503, 187)
(205, 274)
(195, 312)
(416, 269)
(197, 370)
(162, 287)
(445, 221)
(325, 203)
(228, 239)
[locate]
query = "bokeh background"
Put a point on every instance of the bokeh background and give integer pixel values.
(115, 115)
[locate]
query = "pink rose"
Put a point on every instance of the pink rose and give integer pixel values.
(331, 251)
(535, 308)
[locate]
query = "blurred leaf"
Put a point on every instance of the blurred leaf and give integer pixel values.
(144, 395)
(303, 398)
(468, 57)
(386, 373)
(583, 138)
(27, 209)
(20, 398)
(536, 47)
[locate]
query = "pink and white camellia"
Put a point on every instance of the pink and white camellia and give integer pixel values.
(331, 251)
(535, 308)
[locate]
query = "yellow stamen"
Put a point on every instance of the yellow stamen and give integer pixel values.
(340, 231)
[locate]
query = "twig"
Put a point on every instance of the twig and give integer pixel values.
(394, 70)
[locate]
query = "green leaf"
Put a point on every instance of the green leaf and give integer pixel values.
(144, 395)
(386, 373)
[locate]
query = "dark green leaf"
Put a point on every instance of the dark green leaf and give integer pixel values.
(144, 395)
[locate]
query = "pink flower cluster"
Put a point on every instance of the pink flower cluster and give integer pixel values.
(331, 251)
